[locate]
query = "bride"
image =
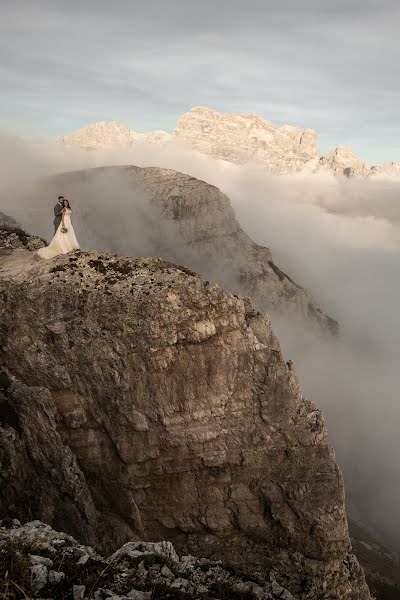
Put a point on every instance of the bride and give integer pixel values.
(64, 239)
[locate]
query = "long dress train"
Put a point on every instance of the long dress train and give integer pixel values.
(62, 243)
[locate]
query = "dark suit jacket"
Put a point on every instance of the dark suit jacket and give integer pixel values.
(57, 215)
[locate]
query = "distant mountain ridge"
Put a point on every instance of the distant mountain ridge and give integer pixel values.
(238, 139)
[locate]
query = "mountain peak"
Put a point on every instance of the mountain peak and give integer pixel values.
(102, 134)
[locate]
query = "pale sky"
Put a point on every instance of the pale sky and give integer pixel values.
(330, 66)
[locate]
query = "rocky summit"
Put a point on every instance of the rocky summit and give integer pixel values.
(138, 402)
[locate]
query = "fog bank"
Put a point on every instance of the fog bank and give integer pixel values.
(338, 238)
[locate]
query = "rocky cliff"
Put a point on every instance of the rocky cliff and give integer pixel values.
(193, 223)
(174, 416)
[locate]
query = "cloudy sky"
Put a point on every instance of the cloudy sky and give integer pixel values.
(331, 66)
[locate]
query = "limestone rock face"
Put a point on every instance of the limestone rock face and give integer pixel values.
(343, 161)
(196, 226)
(182, 414)
(246, 138)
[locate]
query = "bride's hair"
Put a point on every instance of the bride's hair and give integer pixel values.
(66, 201)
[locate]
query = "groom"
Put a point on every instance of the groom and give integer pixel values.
(58, 213)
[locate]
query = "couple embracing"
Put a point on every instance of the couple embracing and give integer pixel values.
(64, 239)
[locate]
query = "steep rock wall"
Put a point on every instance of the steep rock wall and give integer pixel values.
(183, 416)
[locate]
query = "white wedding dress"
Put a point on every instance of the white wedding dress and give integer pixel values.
(62, 243)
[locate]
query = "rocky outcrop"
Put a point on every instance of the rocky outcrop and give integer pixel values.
(183, 416)
(246, 138)
(193, 224)
(45, 563)
(343, 161)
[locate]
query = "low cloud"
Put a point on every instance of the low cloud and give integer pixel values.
(338, 238)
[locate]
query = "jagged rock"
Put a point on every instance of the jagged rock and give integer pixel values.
(246, 138)
(134, 549)
(55, 577)
(138, 595)
(235, 463)
(116, 577)
(39, 577)
(195, 225)
(343, 161)
(78, 592)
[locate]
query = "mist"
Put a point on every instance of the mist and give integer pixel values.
(338, 238)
